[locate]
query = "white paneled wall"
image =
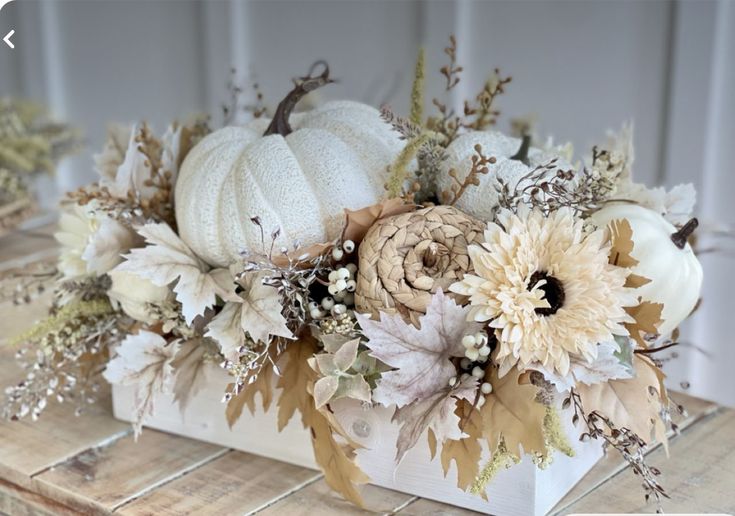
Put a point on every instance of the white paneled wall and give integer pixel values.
(581, 67)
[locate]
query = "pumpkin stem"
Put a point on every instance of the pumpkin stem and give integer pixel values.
(680, 237)
(522, 154)
(303, 85)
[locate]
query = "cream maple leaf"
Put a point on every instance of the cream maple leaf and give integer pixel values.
(436, 412)
(420, 355)
(143, 360)
(255, 310)
(166, 259)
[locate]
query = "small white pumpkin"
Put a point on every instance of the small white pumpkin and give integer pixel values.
(514, 159)
(664, 257)
(298, 174)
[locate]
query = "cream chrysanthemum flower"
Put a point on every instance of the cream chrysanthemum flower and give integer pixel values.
(547, 288)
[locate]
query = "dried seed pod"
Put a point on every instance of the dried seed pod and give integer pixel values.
(404, 259)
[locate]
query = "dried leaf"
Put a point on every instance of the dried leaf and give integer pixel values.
(621, 238)
(262, 385)
(166, 259)
(359, 221)
(647, 317)
(143, 360)
(511, 413)
(422, 355)
(436, 412)
(189, 371)
(296, 376)
(465, 452)
(629, 403)
(431, 438)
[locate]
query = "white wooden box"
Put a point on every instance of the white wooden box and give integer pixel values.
(519, 491)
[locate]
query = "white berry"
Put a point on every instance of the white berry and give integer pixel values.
(484, 351)
(339, 309)
(313, 305)
(337, 253)
(486, 388)
(340, 284)
(328, 303)
(316, 313)
(472, 354)
(477, 372)
(481, 339)
(352, 268)
(343, 273)
(453, 381)
(339, 296)
(333, 276)
(468, 341)
(351, 285)
(332, 288)
(348, 246)
(464, 363)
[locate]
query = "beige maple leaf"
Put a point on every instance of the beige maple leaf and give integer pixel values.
(167, 259)
(256, 310)
(466, 451)
(189, 369)
(511, 413)
(634, 403)
(422, 356)
(143, 360)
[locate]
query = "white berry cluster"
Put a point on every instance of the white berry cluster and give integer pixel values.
(341, 286)
(476, 358)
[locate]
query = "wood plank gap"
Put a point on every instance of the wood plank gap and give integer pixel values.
(38, 256)
(683, 428)
(403, 505)
(171, 478)
(288, 493)
(107, 441)
(16, 498)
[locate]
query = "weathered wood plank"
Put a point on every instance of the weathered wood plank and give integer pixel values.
(236, 483)
(99, 480)
(16, 501)
(612, 463)
(318, 498)
(423, 507)
(698, 475)
(25, 246)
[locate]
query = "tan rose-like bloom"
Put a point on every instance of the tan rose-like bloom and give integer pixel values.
(406, 258)
(547, 288)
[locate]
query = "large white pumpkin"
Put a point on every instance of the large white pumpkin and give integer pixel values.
(664, 257)
(301, 180)
(481, 201)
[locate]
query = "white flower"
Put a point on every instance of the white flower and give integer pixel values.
(547, 288)
(91, 242)
(134, 295)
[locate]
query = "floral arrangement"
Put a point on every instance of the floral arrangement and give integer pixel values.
(30, 144)
(483, 286)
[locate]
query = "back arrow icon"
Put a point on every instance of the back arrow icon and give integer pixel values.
(6, 39)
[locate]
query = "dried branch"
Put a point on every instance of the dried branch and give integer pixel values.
(479, 167)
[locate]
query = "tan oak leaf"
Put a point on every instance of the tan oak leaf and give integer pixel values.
(511, 413)
(465, 452)
(166, 259)
(421, 356)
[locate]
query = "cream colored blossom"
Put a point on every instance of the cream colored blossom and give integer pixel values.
(547, 288)
(135, 294)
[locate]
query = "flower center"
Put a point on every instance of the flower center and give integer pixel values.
(553, 292)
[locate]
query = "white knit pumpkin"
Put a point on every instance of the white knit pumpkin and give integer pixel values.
(336, 157)
(481, 201)
(674, 270)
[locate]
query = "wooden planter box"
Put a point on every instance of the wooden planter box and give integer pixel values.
(521, 490)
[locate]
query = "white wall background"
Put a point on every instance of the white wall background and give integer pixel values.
(581, 67)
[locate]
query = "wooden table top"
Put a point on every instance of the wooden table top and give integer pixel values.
(62, 464)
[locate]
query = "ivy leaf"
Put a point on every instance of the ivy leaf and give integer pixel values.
(336, 381)
(166, 259)
(511, 413)
(421, 355)
(143, 360)
(437, 413)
